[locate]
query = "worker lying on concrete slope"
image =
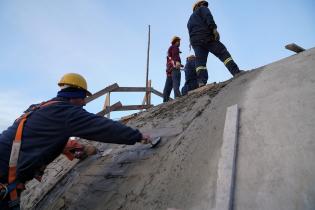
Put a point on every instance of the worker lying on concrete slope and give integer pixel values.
(205, 38)
(41, 133)
(190, 75)
(173, 64)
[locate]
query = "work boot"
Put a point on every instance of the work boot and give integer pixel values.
(241, 72)
(233, 68)
(201, 84)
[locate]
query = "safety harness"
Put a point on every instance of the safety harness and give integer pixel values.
(13, 185)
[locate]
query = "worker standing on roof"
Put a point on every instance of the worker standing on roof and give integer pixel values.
(173, 64)
(190, 75)
(205, 38)
(41, 134)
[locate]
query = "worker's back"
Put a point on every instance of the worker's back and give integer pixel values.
(200, 25)
(45, 132)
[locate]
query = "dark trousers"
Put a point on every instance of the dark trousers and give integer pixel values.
(4, 205)
(189, 85)
(202, 50)
(172, 82)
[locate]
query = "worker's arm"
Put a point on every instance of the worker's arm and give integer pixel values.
(205, 13)
(175, 54)
(86, 125)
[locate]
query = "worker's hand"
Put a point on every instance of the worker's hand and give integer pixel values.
(146, 139)
(216, 35)
(177, 65)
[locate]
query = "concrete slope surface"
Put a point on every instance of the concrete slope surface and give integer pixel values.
(275, 166)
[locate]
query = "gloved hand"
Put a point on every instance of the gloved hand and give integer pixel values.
(178, 65)
(74, 149)
(216, 35)
(146, 139)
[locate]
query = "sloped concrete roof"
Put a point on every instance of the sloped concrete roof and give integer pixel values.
(275, 166)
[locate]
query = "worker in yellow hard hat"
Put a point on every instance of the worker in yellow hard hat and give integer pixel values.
(74, 87)
(74, 80)
(205, 38)
(173, 65)
(41, 134)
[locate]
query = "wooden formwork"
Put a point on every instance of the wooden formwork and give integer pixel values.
(108, 108)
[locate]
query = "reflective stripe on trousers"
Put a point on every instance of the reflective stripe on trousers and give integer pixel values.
(199, 68)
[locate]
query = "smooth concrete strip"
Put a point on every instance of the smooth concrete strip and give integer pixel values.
(226, 169)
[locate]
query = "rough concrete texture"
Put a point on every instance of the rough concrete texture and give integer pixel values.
(54, 172)
(275, 167)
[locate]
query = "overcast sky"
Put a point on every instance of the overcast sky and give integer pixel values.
(106, 41)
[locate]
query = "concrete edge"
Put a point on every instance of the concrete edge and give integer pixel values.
(227, 161)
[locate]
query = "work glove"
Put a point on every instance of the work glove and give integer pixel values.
(146, 139)
(74, 149)
(216, 35)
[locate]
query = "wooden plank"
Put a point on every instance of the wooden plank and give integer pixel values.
(295, 48)
(102, 92)
(107, 104)
(130, 89)
(156, 92)
(227, 161)
(114, 107)
(133, 107)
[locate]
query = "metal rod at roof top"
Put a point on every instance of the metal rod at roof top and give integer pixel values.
(148, 62)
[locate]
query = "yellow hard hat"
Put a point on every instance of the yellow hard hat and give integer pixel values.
(198, 2)
(175, 39)
(74, 80)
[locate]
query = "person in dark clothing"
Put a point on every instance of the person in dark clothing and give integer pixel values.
(190, 75)
(173, 76)
(204, 38)
(46, 131)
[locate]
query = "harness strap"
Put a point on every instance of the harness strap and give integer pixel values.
(15, 151)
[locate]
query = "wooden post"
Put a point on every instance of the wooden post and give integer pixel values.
(148, 62)
(144, 99)
(149, 94)
(107, 104)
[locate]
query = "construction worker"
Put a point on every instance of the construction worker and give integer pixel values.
(205, 38)
(173, 64)
(190, 75)
(42, 132)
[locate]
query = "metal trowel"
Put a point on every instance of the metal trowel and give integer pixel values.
(155, 141)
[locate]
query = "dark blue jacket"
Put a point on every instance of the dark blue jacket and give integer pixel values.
(190, 76)
(200, 25)
(47, 131)
(190, 70)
